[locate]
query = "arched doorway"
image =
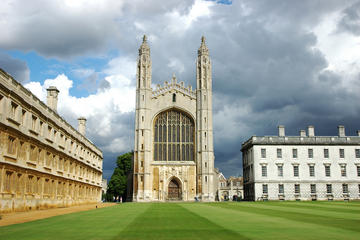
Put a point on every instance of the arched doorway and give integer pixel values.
(174, 190)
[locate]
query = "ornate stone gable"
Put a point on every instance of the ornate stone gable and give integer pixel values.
(174, 86)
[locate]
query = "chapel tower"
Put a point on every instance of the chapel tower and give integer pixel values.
(205, 148)
(173, 152)
(142, 148)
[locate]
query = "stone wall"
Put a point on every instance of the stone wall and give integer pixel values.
(44, 161)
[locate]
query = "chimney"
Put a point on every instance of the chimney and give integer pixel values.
(302, 133)
(358, 132)
(82, 125)
(311, 131)
(52, 97)
(341, 130)
(281, 130)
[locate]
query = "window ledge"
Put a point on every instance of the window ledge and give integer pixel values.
(13, 121)
(47, 168)
(11, 157)
(33, 132)
(31, 163)
(49, 140)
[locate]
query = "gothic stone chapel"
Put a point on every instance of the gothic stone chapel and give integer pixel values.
(173, 154)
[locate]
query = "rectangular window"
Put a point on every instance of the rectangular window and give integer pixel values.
(279, 153)
(357, 153)
(8, 181)
(295, 153)
(280, 170)
(11, 145)
(343, 170)
(297, 188)
(312, 170)
(313, 188)
(29, 184)
(265, 189)
(23, 117)
(326, 153)
(263, 153)
(328, 188)
(33, 123)
(49, 132)
(327, 170)
(345, 188)
(359, 188)
(296, 171)
(13, 110)
(358, 170)
(41, 131)
(342, 153)
(264, 170)
(310, 153)
(281, 188)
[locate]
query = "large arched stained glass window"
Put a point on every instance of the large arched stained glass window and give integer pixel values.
(173, 137)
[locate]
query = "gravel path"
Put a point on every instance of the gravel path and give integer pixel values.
(21, 217)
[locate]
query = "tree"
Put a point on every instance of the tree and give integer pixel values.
(118, 182)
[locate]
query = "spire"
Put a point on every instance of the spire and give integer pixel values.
(144, 48)
(203, 50)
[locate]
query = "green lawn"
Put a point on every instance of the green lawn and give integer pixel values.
(232, 220)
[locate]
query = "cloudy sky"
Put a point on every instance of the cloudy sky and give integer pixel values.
(289, 62)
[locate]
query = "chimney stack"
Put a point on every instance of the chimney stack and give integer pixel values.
(281, 130)
(358, 132)
(311, 131)
(341, 130)
(302, 133)
(52, 97)
(82, 125)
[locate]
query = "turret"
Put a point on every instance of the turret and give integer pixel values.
(205, 149)
(142, 147)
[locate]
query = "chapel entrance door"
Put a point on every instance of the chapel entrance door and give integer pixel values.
(174, 190)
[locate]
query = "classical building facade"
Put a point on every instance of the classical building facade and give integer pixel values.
(228, 188)
(173, 152)
(305, 167)
(44, 161)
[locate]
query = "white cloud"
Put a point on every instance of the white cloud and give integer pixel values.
(339, 48)
(101, 109)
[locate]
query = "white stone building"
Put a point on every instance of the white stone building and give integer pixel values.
(173, 152)
(305, 167)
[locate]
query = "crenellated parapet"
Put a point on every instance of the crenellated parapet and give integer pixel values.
(173, 85)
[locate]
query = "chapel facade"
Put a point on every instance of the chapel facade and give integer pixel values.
(173, 152)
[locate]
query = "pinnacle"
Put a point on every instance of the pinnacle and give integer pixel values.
(144, 38)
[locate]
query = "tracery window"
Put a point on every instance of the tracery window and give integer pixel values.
(173, 137)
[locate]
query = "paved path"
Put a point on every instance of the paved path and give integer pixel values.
(21, 217)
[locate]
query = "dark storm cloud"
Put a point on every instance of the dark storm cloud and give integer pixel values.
(15, 67)
(266, 67)
(266, 71)
(350, 21)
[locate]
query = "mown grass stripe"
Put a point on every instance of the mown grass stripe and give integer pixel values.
(325, 220)
(257, 226)
(104, 223)
(320, 207)
(171, 221)
(313, 211)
